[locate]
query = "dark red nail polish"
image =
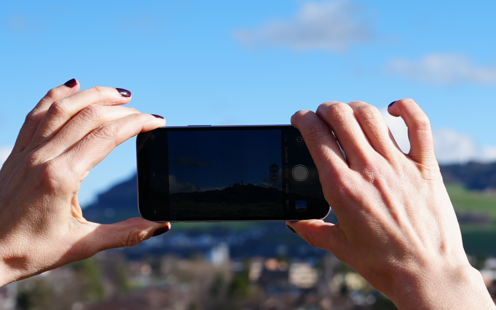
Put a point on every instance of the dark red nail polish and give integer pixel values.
(291, 229)
(391, 104)
(124, 92)
(160, 231)
(158, 116)
(71, 83)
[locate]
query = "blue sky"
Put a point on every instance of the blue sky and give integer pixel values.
(256, 62)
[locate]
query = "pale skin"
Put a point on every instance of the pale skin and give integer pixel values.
(397, 226)
(41, 222)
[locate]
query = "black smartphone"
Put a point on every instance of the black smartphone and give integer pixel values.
(227, 173)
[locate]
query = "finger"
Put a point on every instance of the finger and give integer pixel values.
(100, 142)
(61, 111)
(34, 117)
(351, 138)
(419, 130)
(322, 145)
(79, 126)
(123, 234)
(375, 128)
(320, 234)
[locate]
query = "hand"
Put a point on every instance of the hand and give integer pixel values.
(63, 138)
(397, 226)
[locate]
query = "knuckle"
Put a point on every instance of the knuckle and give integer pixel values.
(371, 173)
(421, 123)
(99, 89)
(91, 112)
(135, 237)
(34, 160)
(367, 112)
(54, 93)
(53, 178)
(32, 117)
(338, 111)
(107, 131)
(58, 108)
(316, 131)
(431, 172)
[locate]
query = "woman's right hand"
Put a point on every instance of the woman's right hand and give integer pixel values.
(63, 138)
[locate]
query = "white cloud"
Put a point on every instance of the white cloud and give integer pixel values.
(443, 69)
(4, 153)
(450, 145)
(331, 26)
(455, 147)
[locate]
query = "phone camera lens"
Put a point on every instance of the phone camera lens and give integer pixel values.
(299, 139)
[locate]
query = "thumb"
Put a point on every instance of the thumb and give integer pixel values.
(320, 234)
(127, 233)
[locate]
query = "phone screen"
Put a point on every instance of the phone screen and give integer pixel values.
(227, 173)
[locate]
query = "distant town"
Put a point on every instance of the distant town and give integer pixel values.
(237, 265)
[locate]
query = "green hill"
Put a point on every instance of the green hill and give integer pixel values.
(476, 213)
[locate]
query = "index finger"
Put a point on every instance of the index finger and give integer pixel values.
(34, 117)
(100, 142)
(419, 130)
(322, 145)
(59, 113)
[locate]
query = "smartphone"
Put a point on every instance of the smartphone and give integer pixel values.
(227, 173)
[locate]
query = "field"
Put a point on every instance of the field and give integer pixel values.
(479, 235)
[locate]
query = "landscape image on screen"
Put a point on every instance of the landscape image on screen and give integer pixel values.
(225, 174)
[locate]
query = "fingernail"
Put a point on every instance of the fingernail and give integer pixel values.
(71, 83)
(391, 104)
(160, 231)
(124, 92)
(291, 229)
(297, 112)
(158, 116)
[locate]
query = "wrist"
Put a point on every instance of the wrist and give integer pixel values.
(6, 274)
(13, 266)
(442, 286)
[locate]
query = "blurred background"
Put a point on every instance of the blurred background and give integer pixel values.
(251, 62)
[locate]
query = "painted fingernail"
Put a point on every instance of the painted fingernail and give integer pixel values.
(291, 229)
(391, 104)
(158, 116)
(124, 92)
(71, 83)
(161, 231)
